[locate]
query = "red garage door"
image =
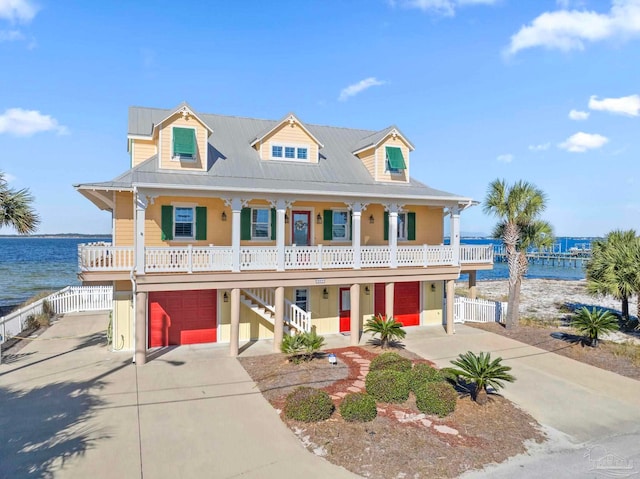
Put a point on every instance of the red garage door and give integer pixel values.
(406, 302)
(182, 317)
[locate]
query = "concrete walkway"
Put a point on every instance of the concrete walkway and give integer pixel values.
(69, 408)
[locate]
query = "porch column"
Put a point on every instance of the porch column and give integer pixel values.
(356, 217)
(236, 209)
(141, 203)
(141, 329)
(278, 327)
(355, 314)
(450, 285)
(281, 209)
(234, 339)
(389, 289)
(393, 237)
(454, 227)
(472, 284)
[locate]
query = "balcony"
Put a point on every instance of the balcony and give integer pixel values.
(103, 257)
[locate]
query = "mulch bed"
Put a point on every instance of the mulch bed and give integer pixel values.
(601, 357)
(400, 442)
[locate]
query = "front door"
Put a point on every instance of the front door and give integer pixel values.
(345, 309)
(301, 232)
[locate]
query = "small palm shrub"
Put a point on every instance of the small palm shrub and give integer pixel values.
(388, 386)
(308, 405)
(436, 398)
(423, 373)
(480, 370)
(388, 328)
(594, 324)
(392, 361)
(301, 346)
(358, 407)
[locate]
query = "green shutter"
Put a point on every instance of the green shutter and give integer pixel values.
(351, 227)
(386, 226)
(273, 224)
(184, 142)
(328, 225)
(167, 222)
(201, 222)
(245, 224)
(411, 226)
(396, 160)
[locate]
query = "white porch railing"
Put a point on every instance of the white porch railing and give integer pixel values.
(67, 300)
(190, 259)
(297, 317)
(294, 316)
(478, 310)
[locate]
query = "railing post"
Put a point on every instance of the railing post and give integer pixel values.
(425, 259)
(320, 257)
(190, 259)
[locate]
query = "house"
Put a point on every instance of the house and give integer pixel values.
(228, 229)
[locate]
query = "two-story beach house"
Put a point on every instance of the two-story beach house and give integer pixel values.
(229, 229)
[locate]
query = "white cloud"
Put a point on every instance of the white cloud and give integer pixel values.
(578, 115)
(506, 158)
(540, 147)
(11, 35)
(626, 105)
(8, 177)
(570, 29)
(18, 11)
(19, 122)
(442, 7)
(362, 85)
(581, 142)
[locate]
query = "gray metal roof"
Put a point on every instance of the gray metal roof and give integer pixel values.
(234, 165)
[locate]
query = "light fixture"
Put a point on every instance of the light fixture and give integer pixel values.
(225, 297)
(433, 287)
(333, 360)
(325, 293)
(224, 216)
(367, 291)
(286, 218)
(372, 219)
(319, 219)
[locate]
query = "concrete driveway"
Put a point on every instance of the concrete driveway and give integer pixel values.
(70, 408)
(590, 414)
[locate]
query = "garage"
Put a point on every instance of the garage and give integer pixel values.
(406, 302)
(182, 317)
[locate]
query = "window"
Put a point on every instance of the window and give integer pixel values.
(340, 225)
(289, 152)
(402, 226)
(302, 153)
(394, 160)
(276, 151)
(260, 220)
(183, 222)
(302, 299)
(184, 143)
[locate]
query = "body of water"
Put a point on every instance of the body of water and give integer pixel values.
(32, 265)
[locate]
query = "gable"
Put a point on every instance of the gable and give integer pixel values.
(286, 136)
(174, 142)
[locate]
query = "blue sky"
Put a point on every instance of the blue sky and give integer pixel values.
(546, 91)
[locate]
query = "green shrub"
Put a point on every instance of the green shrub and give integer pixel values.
(360, 407)
(436, 398)
(389, 329)
(308, 405)
(422, 374)
(390, 361)
(301, 346)
(388, 386)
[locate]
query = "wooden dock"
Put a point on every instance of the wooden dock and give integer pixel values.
(572, 259)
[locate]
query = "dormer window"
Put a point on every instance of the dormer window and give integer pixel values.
(289, 152)
(184, 144)
(394, 160)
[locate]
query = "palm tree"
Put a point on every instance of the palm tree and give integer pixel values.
(388, 329)
(15, 208)
(614, 267)
(594, 323)
(518, 208)
(484, 373)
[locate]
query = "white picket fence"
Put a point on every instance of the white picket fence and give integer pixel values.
(478, 310)
(71, 299)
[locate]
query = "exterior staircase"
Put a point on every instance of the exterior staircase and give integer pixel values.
(262, 302)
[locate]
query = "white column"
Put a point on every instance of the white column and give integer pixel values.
(454, 227)
(141, 203)
(236, 208)
(450, 285)
(141, 328)
(393, 237)
(356, 218)
(389, 294)
(355, 314)
(234, 336)
(280, 212)
(278, 327)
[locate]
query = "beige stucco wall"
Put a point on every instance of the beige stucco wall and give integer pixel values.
(288, 135)
(380, 157)
(142, 150)
(432, 303)
(166, 138)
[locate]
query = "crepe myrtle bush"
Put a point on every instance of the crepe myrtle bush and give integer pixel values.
(308, 405)
(390, 361)
(423, 373)
(388, 386)
(437, 398)
(358, 407)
